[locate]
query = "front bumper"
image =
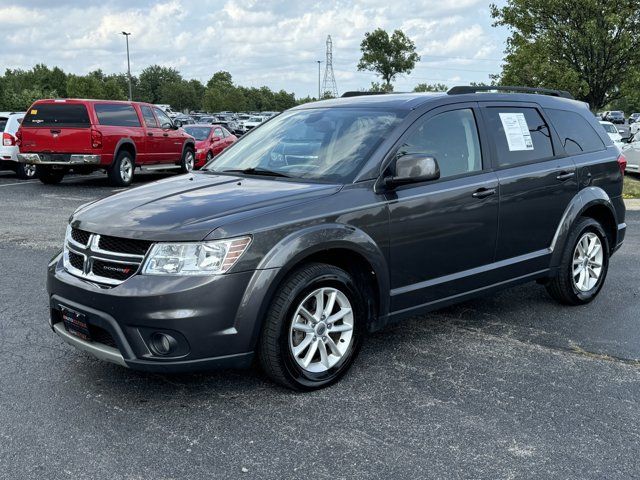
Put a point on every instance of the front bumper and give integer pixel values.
(58, 159)
(199, 312)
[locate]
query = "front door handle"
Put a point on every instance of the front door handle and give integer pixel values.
(565, 176)
(165, 134)
(484, 192)
(150, 134)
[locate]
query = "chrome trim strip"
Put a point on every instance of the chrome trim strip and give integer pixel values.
(74, 159)
(102, 352)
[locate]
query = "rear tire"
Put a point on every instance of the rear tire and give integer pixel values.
(121, 171)
(25, 171)
(311, 351)
(584, 264)
(188, 160)
(50, 176)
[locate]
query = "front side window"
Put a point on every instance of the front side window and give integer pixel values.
(323, 144)
(451, 138)
(165, 121)
(520, 135)
(149, 120)
(218, 133)
(115, 114)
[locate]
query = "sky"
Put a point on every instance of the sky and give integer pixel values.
(260, 42)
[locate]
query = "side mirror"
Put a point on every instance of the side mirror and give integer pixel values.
(215, 139)
(177, 123)
(413, 168)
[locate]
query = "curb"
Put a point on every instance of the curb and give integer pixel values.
(632, 203)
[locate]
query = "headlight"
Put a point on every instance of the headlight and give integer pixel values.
(205, 258)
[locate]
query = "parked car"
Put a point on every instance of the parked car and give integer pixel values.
(613, 132)
(211, 140)
(615, 116)
(90, 135)
(633, 118)
(227, 121)
(9, 124)
(181, 120)
(253, 122)
(408, 203)
(631, 152)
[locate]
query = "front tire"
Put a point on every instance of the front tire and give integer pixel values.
(584, 265)
(313, 329)
(187, 161)
(24, 171)
(121, 171)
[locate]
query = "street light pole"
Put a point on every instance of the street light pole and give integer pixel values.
(126, 35)
(319, 62)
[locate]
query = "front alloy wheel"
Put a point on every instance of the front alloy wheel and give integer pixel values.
(321, 330)
(313, 328)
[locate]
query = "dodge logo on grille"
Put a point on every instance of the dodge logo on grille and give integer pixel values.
(110, 268)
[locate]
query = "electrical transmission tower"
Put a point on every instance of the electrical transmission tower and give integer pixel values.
(329, 86)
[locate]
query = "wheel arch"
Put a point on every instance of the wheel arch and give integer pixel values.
(591, 202)
(340, 245)
(126, 144)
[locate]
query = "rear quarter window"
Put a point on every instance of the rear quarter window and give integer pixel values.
(57, 115)
(576, 134)
(3, 123)
(117, 115)
(520, 135)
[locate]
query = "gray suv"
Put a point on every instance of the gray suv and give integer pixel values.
(338, 218)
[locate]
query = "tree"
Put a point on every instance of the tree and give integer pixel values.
(84, 87)
(428, 87)
(585, 46)
(151, 80)
(388, 56)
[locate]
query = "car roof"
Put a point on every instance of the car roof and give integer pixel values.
(411, 101)
(90, 100)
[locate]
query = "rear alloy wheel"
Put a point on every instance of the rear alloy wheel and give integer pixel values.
(188, 161)
(584, 265)
(121, 171)
(314, 328)
(24, 171)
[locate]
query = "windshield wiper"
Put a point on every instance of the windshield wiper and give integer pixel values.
(257, 171)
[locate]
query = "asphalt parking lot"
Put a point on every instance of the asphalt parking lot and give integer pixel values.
(508, 386)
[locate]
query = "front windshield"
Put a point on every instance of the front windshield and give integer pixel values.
(329, 144)
(199, 133)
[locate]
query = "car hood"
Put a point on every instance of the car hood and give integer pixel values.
(189, 207)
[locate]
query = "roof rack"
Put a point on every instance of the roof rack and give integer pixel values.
(359, 94)
(545, 91)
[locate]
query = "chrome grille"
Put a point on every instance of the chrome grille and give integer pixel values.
(104, 260)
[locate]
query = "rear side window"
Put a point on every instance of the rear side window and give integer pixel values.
(117, 115)
(576, 135)
(3, 123)
(57, 115)
(520, 135)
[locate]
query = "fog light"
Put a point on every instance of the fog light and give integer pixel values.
(162, 344)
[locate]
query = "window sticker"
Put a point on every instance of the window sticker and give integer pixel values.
(34, 111)
(517, 131)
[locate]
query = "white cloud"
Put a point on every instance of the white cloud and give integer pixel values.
(272, 42)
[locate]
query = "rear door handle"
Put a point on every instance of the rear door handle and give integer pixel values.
(150, 134)
(565, 176)
(484, 192)
(165, 134)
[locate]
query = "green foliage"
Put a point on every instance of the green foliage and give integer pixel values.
(151, 81)
(386, 55)
(587, 47)
(381, 87)
(431, 87)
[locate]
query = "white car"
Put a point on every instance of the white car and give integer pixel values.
(613, 133)
(9, 124)
(631, 152)
(252, 123)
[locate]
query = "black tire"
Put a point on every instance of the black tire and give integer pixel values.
(209, 158)
(26, 172)
(188, 160)
(274, 353)
(122, 169)
(562, 286)
(50, 176)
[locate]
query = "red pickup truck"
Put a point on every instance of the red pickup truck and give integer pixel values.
(89, 135)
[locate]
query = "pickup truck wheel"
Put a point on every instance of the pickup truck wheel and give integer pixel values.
(187, 161)
(49, 175)
(313, 329)
(25, 171)
(121, 171)
(584, 265)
